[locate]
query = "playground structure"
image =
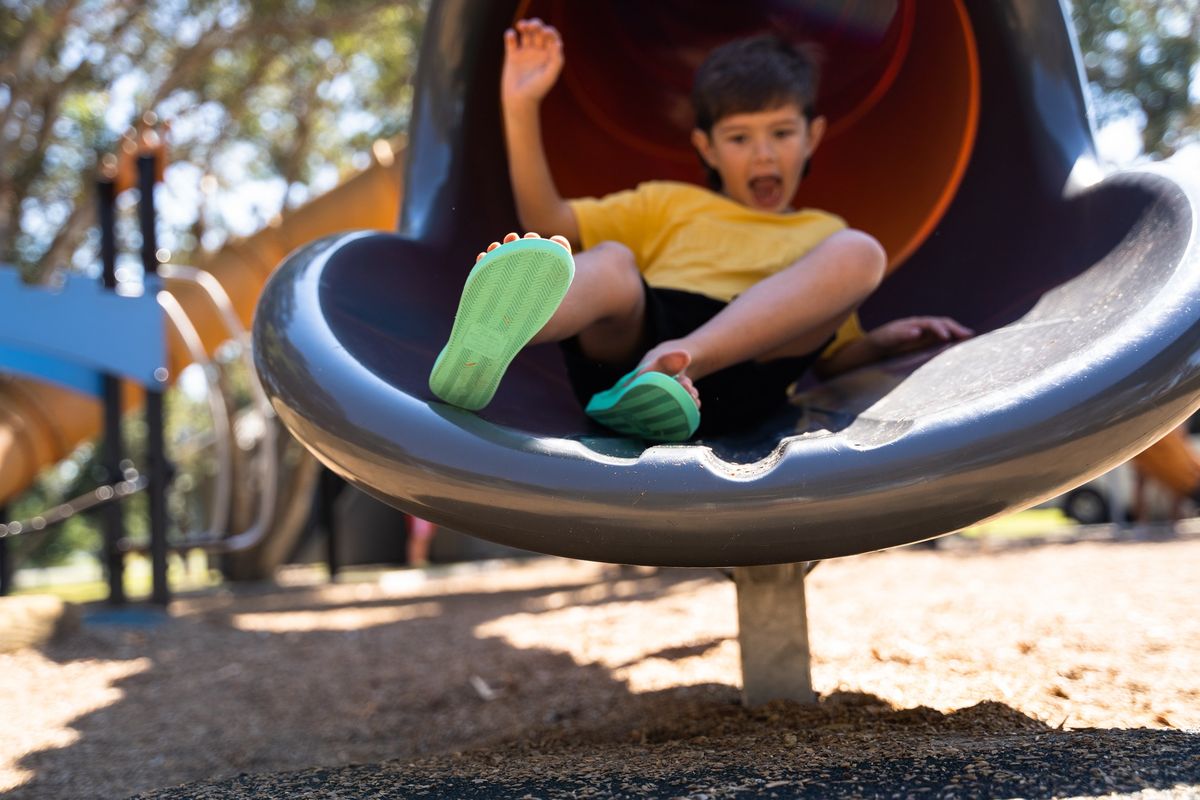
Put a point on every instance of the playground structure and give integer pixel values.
(65, 347)
(950, 167)
(959, 136)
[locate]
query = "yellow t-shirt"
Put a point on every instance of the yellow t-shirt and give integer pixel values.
(689, 238)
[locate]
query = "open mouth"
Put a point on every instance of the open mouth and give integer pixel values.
(767, 191)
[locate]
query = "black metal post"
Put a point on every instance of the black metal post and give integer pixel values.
(113, 514)
(157, 458)
(327, 491)
(6, 565)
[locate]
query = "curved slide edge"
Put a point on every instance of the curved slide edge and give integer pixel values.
(1098, 370)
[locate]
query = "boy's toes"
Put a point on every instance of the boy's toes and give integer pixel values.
(533, 235)
(511, 237)
(562, 240)
(686, 383)
(673, 362)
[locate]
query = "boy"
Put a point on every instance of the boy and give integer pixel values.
(689, 294)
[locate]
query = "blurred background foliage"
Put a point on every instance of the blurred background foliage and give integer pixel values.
(1141, 61)
(286, 92)
(272, 102)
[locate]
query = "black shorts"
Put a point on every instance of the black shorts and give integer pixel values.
(733, 398)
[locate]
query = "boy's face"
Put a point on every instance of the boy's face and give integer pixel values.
(760, 155)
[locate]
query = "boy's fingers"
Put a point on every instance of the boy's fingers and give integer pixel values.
(561, 240)
(492, 246)
(478, 257)
(533, 235)
(510, 237)
(529, 27)
(962, 330)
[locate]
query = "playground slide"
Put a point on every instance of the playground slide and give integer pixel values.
(1173, 462)
(41, 423)
(959, 136)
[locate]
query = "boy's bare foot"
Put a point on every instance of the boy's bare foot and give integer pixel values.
(512, 237)
(671, 359)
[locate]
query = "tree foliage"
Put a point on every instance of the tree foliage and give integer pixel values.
(291, 90)
(1141, 58)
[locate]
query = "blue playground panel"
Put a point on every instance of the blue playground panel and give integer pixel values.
(74, 334)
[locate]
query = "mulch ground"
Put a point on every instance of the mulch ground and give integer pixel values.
(1060, 670)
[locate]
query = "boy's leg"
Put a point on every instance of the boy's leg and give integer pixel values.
(791, 313)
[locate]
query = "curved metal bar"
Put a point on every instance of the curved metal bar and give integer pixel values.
(218, 409)
(267, 457)
(233, 325)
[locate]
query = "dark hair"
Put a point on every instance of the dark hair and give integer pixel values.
(753, 74)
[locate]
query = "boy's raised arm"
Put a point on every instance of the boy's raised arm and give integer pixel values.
(533, 60)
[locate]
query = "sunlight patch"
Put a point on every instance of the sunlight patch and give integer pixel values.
(338, 619)
(675, 638)
(30, 725)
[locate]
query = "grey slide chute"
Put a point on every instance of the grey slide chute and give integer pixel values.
(1085, 286)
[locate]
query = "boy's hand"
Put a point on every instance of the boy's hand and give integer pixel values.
(533, 59)
(916, 333)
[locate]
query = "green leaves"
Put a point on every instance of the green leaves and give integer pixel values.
(283, 91)
(1141, 58)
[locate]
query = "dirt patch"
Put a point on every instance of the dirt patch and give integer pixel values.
(1056, 670)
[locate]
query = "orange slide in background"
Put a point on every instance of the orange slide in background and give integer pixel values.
(41, 424)
(1173, 462)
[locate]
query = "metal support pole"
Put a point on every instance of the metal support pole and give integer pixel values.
(6, 565)
(158, 471)
(773, 634)
(327, 490)
(112, 514)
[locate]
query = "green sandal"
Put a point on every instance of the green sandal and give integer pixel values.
(652, 405)
(508, 297)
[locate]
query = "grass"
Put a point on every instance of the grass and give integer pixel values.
(138, 580)
(1022, 525)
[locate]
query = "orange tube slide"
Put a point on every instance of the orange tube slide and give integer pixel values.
(1173, 462)
(41, 424)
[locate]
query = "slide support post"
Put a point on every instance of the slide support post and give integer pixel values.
(773, 634)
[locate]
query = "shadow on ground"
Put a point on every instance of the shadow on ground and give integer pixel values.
(242, 691)
(697, 742)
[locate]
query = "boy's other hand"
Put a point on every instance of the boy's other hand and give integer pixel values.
(916, 333)
(533, 59)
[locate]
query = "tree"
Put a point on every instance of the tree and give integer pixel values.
(1141, 58)
(289, 90)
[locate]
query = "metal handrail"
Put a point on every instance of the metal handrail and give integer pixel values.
(267, 464)
(218, 409)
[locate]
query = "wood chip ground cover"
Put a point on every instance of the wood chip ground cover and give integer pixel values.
(1062, 670)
